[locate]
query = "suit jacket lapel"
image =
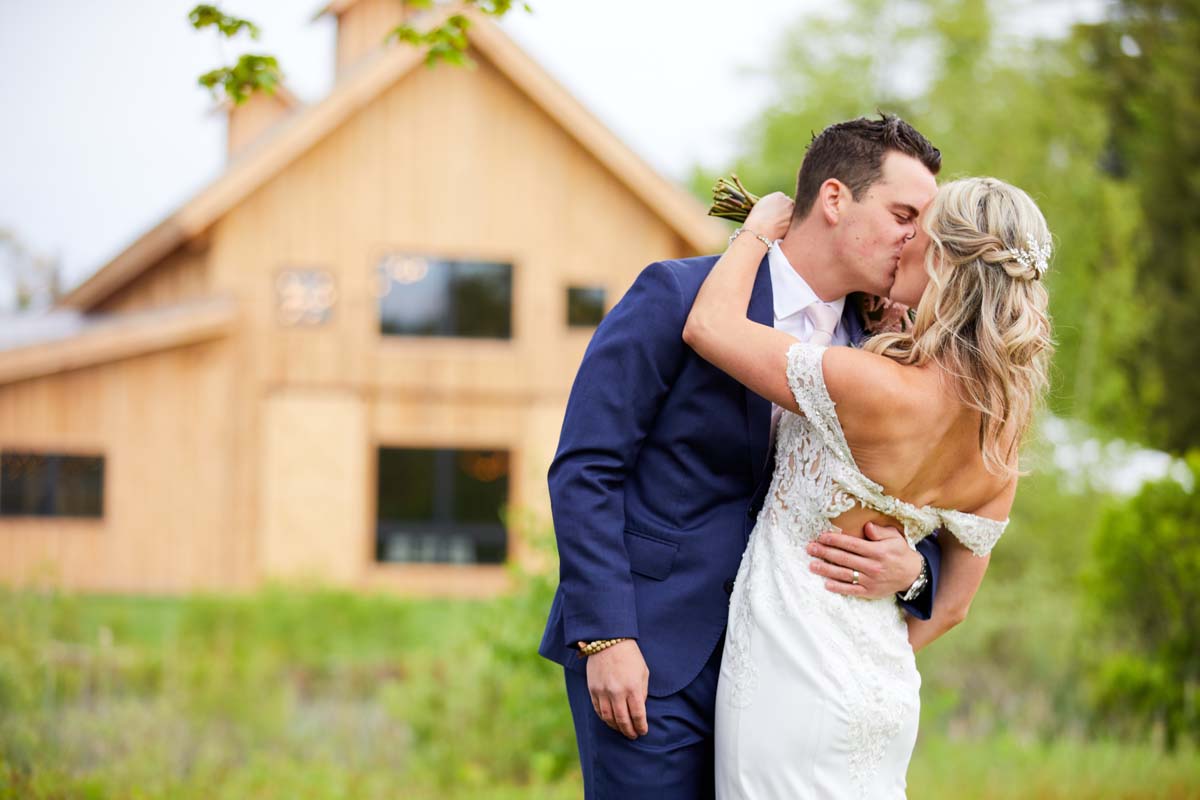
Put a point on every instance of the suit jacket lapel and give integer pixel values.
(758, 410)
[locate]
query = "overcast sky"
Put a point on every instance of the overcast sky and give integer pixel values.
(105, 131)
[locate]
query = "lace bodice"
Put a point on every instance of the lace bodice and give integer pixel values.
(819, 457)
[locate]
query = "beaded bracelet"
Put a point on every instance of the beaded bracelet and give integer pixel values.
(758, 236)
(591, 648)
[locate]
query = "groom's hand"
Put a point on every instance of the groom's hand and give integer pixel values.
(618, 681)
(885, 562)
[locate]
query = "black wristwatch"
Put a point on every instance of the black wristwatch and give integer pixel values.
(918, 585)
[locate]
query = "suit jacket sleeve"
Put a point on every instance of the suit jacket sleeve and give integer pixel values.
(633, 359)
(921, 606)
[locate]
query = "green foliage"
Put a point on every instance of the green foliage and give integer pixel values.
(1015, 666)
(1147, 603)
(312, 692)
(202, 16)
(448, 42)
(251, 73)
(292, 691)
(1146, 59)
(1012, 768)
(308, 692)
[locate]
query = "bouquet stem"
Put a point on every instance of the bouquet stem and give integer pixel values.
(731, 200)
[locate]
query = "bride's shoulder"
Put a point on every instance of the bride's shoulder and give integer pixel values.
(869, 383)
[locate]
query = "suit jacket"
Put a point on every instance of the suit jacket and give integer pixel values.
(660, 471)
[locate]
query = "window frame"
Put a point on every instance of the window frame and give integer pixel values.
(454, 259)
(57, 455)
(574, 287)
(437, 526)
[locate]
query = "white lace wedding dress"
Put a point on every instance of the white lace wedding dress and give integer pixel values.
(819, 693)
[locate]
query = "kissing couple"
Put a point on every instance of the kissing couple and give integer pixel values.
(761, 511)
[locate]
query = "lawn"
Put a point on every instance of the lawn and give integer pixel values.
(310, 693)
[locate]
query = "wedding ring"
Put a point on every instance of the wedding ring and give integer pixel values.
(854, 576)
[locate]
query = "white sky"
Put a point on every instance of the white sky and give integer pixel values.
(105, 131)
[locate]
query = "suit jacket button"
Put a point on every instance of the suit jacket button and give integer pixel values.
(728, 587)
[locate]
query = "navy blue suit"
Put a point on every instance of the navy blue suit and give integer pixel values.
(660, 471)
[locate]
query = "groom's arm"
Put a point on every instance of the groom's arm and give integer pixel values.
(885, 563)
(630, 364)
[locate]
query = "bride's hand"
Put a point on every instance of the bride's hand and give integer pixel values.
(771, 215)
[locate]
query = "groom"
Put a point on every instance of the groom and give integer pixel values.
(663, 463)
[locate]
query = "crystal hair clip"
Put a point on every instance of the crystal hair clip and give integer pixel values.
(1035, 256)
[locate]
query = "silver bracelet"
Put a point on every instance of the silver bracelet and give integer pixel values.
(918, 586)
(758, 236)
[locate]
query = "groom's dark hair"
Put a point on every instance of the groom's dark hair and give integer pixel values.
(853, 152)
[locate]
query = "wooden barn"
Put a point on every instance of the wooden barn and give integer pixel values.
(345, 355)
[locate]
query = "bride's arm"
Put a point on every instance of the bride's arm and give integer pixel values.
(717, 328)
(961, 574)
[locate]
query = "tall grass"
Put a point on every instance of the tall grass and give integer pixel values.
(312, 693)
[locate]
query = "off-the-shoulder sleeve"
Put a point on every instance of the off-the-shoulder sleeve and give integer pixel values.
(806, 379)
(979, 534)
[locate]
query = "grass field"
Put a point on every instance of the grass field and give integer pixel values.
(297, 693)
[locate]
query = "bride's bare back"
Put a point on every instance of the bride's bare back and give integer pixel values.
(911, 433)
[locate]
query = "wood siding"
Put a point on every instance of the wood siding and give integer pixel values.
(180, 277)
(162, 423)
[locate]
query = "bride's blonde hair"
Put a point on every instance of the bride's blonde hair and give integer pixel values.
(983, 317)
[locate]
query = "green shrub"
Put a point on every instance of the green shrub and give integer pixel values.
(1145, 599)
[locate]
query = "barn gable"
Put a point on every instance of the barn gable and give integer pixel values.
(362, 85)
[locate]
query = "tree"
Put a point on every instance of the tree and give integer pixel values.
(1147, 62)
(34, 279)
(1145, 595)
(254, 72)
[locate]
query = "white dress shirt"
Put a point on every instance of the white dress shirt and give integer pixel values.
(793, 295)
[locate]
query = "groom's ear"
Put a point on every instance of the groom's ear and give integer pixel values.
(831, 200)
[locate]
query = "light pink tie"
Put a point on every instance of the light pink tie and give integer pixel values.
(824, 320)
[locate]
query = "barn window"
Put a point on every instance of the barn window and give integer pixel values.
(51, 485)
(585, 306)
(442, 506)
(423, 296)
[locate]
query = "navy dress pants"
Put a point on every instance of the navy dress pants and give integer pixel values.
(674, 761)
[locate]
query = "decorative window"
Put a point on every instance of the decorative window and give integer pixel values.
(424, 296)
(585, 306)
(304, 296)
(51, 485)
(442, 506)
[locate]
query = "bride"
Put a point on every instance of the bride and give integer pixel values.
(819, 692)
